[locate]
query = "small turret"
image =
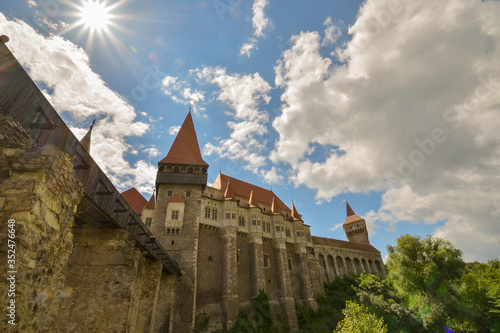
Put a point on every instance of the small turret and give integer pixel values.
(355, 227)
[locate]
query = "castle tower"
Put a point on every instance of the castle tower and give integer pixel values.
(355, 227)
(180, 181)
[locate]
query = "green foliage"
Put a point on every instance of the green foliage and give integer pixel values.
(330, 305)
(381, 299)
(201, 322)
(479, 299)
(359, 319)
(262, 317)
(425, 272)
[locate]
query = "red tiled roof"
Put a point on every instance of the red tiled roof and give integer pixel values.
(340, 243)
(275, 208)
(295, 215)
(135, 200)
(243, 189)
(185, 149)
(151, 203)
(351, 217)
(177, 198)
(229, 194)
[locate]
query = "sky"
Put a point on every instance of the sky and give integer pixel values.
(392, 105)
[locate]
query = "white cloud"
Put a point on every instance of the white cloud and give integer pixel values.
(332, 32)
(64, 68)
(412, 111)
(152, 152)
(173, 130)
(260, 23)
(243, 93)
(182, 93)
(271, 176)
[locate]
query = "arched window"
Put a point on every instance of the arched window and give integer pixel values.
(214, 214)
(241, 221)
(207, 212)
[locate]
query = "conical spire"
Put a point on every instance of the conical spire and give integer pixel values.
(295, 215)
(349, 209)
(229, 194)
(85, 141)
(252, 201)
(351, 217)
(275, 208)
(151, 202)
(185, 149)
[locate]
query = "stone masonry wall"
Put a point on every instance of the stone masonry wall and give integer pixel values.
(39, 191)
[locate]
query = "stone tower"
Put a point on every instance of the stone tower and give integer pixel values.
(355, 227)
(180, 181)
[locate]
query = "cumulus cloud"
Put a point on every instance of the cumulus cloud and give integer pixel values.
(260, 23)
(243, 94)
(75, 89)
(181, 92)
(411, 110)
(173, 130)
(332, 32)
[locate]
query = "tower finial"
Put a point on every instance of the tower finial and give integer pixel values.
(85, 141)
(190, 109)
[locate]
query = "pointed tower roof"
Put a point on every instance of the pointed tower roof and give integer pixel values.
(295, 215)
(185, 149)
(351, 217)
(151, 202)
(252, 201)
(85, 141)
(135, 200)
(275, 208)
(229, 193)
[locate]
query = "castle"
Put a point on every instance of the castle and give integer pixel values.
(233, 238)
(91, 259)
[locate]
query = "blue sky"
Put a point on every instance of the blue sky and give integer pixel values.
(391, 105)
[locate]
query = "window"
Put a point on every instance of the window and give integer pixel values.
(188, 194)
(288, 234)
(233, 216)
(214, 214)
(289, 264)
(268, 227)
(207, 212)
(175, 215)
(278, 228)
(148, 221)
(298, 233)
(266, 260)
(254, 222)
(282, 228)
(241, 221)
(172, 242)
(169, 193)
(228, 215)
(258, 222)
(263, 227)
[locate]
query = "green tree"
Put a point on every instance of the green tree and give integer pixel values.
(479, 299)
(359, 320)
(425, 272)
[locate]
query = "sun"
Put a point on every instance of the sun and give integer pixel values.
(95, 16)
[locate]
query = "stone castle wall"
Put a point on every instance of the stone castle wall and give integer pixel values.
(72, 274)
(39, 191)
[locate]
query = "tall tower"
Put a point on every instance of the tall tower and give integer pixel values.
(180, 181)
(355, 227)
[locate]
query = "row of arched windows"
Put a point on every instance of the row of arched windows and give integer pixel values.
(343, 266)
